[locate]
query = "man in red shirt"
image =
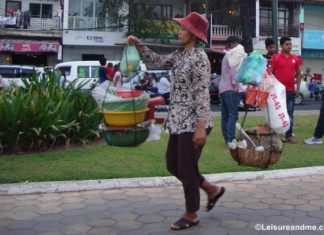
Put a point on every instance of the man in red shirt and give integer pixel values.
(286, 67)
(110, 71)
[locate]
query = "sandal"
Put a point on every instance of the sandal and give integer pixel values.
(212, 201)
(184, 224)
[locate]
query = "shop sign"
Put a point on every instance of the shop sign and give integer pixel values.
(259, 45)
(91, 38)
(313, 54)
(313, 39)
(29, 47)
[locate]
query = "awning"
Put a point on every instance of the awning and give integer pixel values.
(29, 46)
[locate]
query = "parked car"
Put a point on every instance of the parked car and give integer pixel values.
(14, 74)
(81, 73)
(305, 94)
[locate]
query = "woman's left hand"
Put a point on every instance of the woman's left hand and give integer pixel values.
(199, 138)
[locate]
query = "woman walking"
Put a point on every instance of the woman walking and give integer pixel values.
(189, 118)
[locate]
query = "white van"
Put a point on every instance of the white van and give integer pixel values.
(85, 72)
(14, 74)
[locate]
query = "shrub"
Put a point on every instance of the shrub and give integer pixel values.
(43, 114)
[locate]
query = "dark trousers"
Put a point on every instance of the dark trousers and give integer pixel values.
(319, 130)
(182, 162)
(290, 96)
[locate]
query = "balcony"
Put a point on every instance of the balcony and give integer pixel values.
(33, 27)
(222, 32)
(104, 24)
(291, 30)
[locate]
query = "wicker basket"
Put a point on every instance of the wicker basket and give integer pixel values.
(249, 157)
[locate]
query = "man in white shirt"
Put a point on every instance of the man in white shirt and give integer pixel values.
(164, 88)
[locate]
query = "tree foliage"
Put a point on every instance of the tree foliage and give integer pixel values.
(141, 20)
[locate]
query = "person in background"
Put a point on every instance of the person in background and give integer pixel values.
(164, 88)
(308, 76)
(286, 67)
(110, 71)
(63, 81)
(319, 129)
(189, 119)
(229, 89)
(1, 82)
(145, 81)
(117, 80)
(271, 49)
(102, 70)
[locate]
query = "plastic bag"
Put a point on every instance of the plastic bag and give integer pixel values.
(252, 69)
(130, 61)
(276, 113)
(106, 98)
(154, 133)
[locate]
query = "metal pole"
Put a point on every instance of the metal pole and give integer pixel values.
(275, 22)
(211, 30)
(206, 8)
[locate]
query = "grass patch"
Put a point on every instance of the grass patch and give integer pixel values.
(105, 162)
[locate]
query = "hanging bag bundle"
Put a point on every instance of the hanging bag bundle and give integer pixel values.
(130, 61)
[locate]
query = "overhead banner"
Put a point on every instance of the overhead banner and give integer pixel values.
(259, 45)
(29, 47)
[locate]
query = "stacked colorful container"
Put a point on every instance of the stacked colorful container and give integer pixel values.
(122, 117)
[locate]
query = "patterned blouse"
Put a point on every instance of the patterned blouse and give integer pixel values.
(189, 95)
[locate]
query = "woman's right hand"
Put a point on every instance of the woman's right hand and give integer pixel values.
(133, 40)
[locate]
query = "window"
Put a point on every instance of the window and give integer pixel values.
(94, 71)
(41, 10)
(9, 72)
(266, 19)
(66, 69)
(12, 6)
(27, 73)
(83, 72)
(161, 12)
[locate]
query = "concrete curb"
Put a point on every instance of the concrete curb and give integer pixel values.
(86, 185)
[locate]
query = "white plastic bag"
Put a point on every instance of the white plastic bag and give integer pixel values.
(154, 133)
(106, 98)
(276, 113)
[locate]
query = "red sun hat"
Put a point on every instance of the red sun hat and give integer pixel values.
(195, 24)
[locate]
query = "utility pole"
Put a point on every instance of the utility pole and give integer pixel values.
(245, 25)
(275, 22)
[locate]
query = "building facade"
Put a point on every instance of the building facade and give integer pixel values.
(30, 32)
(91, 30)
(313, 36)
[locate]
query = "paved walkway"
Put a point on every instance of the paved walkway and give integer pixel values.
(289, 201)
